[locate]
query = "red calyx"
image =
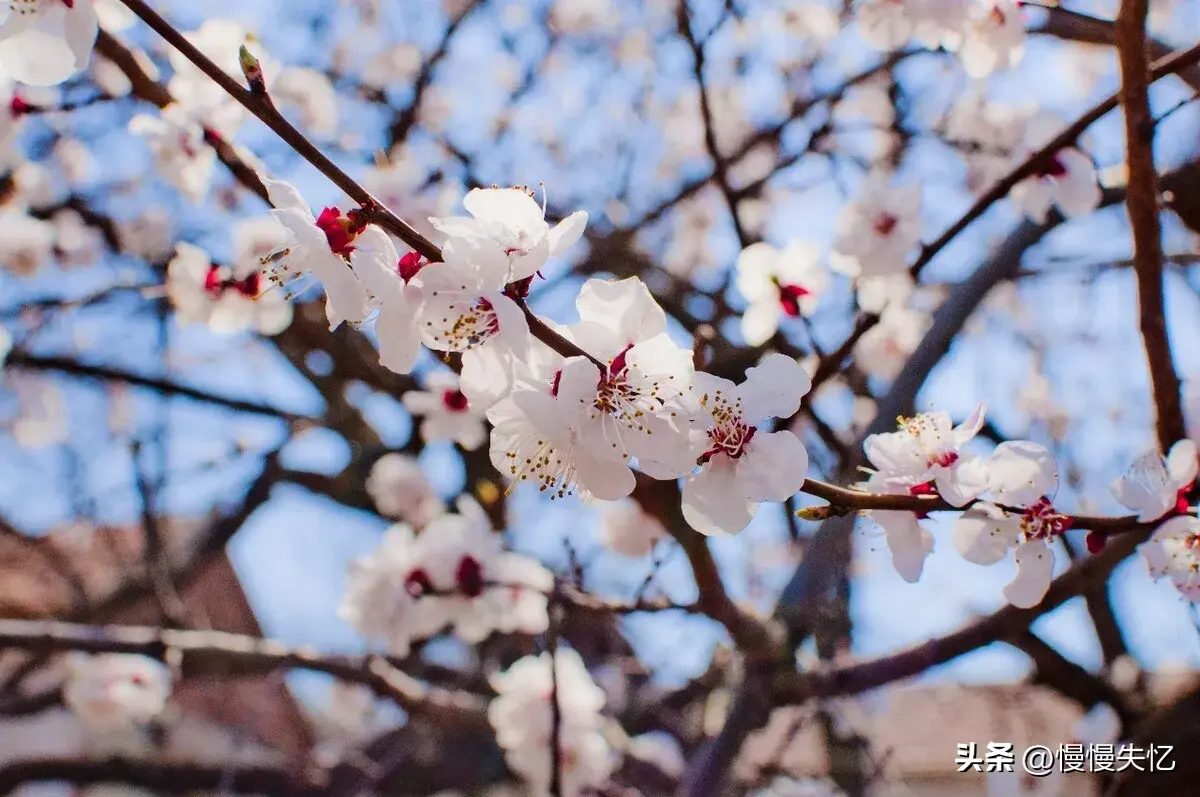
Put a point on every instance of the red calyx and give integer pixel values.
(469, 577)
(885, 223)
(1095, 541)
(789, 298)
(339, 230)
(1181, 500)
(410, 264)
(1055, 168)
(19, 106)
(454, 400)
(925, 488)
(213, 283)
(554, 383)
(69, 3)
(417, 583)
(618, 363)
(520, 289)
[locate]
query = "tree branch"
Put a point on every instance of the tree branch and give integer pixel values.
(1142, 202)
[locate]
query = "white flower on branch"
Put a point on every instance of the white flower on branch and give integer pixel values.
(181, 155)
(313, 94)
(1154, 486)
(45, 42)
(511, 220)
(448, 414)
(379, 267)
(115, 691)
(399, 489)
(1174, 551)
(454, 574)
(742, 465)
(777, 283)
(522, 715)
(889, 24)
(227, 300)
(924, 458)
(1020, 474)
(876, 232)
(994, 38)
(317, 245)
(1068, 181)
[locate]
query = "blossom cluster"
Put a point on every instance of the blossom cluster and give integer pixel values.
(453, 574)
(113, 692)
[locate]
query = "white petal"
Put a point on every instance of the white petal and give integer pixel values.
(773, 388)
(712, 501)
(773, 467)
(284, 196)
(760, 321)
(962, 483)
(1021, 472)
(399, 339)
(566, 232)
(753, 271)
(624, 306)
(1182, 463)
(1077, 191)
(1035, 566)
(966, 431)
(908, 542)
(984, 535)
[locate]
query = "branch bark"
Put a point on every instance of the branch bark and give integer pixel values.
(1142, 203)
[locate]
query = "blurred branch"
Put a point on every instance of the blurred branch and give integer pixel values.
(69, 367)
(161, 775)
(1009, 623)
(1142, 203)
(208, 652)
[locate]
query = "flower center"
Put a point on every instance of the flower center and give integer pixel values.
(469, 577)
(730, 434)
(467, 324)
(790, 296)
(885, 224)
(454, 400)
(216, 283)
(1181, 497)
(340, 231)
(417, 583)
(1042, 521)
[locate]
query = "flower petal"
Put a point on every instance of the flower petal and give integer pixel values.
(773, 388)
(1035, 566)
(773, 467)
(712, 500)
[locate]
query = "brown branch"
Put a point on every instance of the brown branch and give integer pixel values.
(1141, 200)
(261, 106)
(160, 775)
(1005, 624)
(69, 367)
(207, 652)
(1068, 678)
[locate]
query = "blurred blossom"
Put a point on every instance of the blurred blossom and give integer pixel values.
(76, 161)
(114, 691)
(660, 749)
(400, 489)
(26, 243)
(885, 348)
(313, 94)
(149, 236)
(627, 529)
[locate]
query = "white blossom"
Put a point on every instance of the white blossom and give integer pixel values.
(226, 299)
(512, 221)
(627, 529)
(318, 246)
(448, 414)
(994, 38)
(116, 691)
(181, 154)
(742, 465)
(26, 243)
(45, 42)
(313, 94)
(522, 717)
(1154, 486)
(660, 749)
(1174, 551)
(1020, 474)
(399, 489)
(876, 232)
(777, 283)
(1068, 180)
